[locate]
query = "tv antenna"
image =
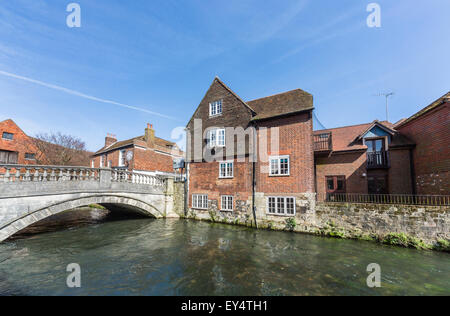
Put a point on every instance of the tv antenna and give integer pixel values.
(387, 95)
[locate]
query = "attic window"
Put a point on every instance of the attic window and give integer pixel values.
(215, 108)
(8, 136)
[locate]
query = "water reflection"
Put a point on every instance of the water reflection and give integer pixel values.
(157, 257)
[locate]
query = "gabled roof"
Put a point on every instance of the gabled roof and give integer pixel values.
(281, 104)
(347, 138)
(217, 80)
(160, 144)
(290, 102)
(386, 126)
(442, 100)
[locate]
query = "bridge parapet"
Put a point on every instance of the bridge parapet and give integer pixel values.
(25, 180)
(34, 173)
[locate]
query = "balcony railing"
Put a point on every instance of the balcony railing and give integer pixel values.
(400, 199)
(378, 159)
(323, 142)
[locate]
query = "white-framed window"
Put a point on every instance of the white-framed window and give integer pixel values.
(92, 163)
(216, 138)
(200, 201)
(280, 205)
(280, 166)
(215, 108)
(226, 203)
(102, 161)
(226, 169)
(122, 158)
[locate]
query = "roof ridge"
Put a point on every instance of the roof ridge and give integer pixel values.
(232, 92)
(280, 93)
(340, 127)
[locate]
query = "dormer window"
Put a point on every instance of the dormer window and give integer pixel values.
(215, 108)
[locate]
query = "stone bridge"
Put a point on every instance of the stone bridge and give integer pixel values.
(29, 194)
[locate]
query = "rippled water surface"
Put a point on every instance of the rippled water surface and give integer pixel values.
(170, 257)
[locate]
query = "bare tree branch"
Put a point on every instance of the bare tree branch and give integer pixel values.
(60, 149)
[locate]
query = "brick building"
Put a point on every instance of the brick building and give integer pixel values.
(145, 154)
(261, 148)
(369, 158)
(430, 130)
(15, 146)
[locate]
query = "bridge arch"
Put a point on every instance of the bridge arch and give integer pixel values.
(124, 203)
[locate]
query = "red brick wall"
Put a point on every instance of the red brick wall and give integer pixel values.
(350, 165)
(295, 140)
(21, 142)
(143, 160)
(150, 160)
(399, 175)
(431, 133)
(204, 179)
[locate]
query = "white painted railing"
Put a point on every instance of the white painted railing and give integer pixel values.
(31, 173)
(124, 176)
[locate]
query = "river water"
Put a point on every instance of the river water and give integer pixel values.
(178, 257)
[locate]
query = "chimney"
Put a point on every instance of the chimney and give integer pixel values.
(150, 135)
(110, 139)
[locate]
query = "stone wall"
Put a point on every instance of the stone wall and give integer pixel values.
(429, 223)
(243, 215)
(178, 198)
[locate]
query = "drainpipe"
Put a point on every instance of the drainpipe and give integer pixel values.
(253, 193)
(254, 156)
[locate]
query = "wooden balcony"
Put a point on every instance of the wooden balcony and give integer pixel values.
(323, 143)
(378, 160)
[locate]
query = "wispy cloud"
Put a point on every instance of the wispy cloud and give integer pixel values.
(85, 96)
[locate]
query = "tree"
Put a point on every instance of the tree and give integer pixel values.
(60, 150)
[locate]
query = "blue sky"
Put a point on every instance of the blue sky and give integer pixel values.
(162, 56)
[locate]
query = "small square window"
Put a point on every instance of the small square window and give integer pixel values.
(29, 156)
(215, 108)
(280, 166)
(8, 136)
(227, 203)
(216, 138)
(226, 169)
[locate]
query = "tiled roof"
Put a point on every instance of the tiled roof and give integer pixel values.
(346, 138)
(444, 99)
(282, 104)
(160, 144)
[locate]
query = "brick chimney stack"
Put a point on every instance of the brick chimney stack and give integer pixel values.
(110, 139)
(150, 135)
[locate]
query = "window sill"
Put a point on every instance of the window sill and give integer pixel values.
(199, 209)
(225, 178)
(281, 215)
(279, 175)
(217, 115)
(227, 211)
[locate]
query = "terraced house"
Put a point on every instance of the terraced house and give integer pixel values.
(251, 155)
(145, 154)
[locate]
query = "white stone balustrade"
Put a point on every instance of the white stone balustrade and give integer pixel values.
(31, 173)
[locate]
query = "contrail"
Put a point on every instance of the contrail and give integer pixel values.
(85, 96)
